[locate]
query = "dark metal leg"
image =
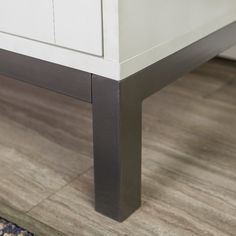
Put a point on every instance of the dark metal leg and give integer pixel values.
(117, 149)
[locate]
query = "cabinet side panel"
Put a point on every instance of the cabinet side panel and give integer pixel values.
(152, 30)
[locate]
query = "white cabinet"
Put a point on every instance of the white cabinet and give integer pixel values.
(111, 38)
(28, 18)
(78, 25)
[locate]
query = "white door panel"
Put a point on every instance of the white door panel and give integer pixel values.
(28, 18)
(78, 25)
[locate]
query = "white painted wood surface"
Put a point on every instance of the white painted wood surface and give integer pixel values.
(61, 56)
(78, 25)
(28, 18)
(116, 38)
(154, 29)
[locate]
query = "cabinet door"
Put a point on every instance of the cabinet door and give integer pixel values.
(28, 18)
(78, 25)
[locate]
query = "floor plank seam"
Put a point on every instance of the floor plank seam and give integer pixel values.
(20, 218)
(62, 187)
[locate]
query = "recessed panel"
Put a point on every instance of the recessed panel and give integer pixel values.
(28, 18)
(78, 25)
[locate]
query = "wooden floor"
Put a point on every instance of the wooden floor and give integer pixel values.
(189, 160)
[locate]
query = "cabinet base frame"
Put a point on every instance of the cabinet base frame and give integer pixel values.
(117, 111)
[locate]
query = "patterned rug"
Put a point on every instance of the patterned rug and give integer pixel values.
(10, 229)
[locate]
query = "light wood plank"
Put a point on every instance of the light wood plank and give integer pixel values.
(39, 154)
(27, 222)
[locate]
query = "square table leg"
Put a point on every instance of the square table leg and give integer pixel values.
(117, 127)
